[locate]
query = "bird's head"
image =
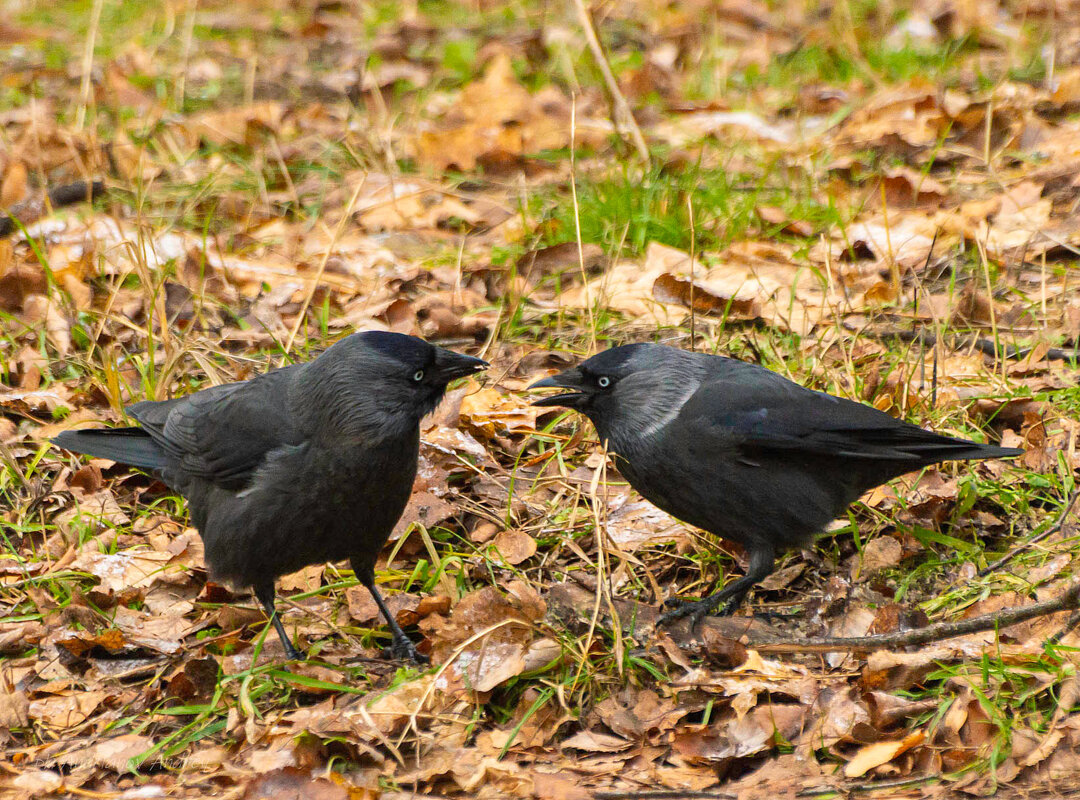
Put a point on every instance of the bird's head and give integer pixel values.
(629, 392)
(391, 379)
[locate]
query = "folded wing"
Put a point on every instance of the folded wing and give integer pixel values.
(224, 433)
(758, 410)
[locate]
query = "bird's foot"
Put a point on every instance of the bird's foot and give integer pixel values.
(694, 610)
(404, 650)
(291, 653)
(764, 615)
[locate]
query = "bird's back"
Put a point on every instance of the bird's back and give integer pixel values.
(754, 456)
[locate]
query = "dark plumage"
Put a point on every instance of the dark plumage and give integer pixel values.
(305, 464)
(740, 451)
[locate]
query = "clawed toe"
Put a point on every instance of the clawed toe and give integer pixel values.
(406, 651)
(677, 609)
(695, 610)
(674, 603)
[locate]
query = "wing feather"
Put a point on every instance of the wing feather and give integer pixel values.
(225, 433)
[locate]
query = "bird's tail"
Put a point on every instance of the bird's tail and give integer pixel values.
(945, 448)
(979, 451)
(126, 445)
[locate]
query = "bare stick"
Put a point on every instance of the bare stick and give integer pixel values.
(621, 114)
(937, 632)
(1057, 526)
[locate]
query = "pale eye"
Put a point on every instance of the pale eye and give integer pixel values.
(418, 375)
(603, 381)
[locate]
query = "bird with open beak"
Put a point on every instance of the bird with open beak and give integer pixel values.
(741, 452)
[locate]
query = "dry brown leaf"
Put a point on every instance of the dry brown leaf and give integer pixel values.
(514, 546)
(702, 299)
(67, 710)
(878, 753)
(880, 553)
(131, 568)
(633, 523)
(38, 783)
(13, 185)
(238, 125)
(594, 742)
(491, 413)
(494, 114)
(741, 737)
(292, 783)
(424, 508)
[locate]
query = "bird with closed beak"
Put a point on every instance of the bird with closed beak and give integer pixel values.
(301, 465)
(741, 452)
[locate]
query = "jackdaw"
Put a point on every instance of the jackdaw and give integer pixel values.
(305, 464)
(740, 451)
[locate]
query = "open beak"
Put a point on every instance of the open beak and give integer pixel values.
(568, 379)
(455, 365)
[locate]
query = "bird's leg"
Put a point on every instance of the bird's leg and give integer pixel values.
(402, 647)
(265, 595)
(730, 597)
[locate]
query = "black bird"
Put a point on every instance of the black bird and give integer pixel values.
(305, 464)
(740, 451)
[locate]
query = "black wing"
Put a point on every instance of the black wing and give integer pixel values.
(756, 409)
(224, 433)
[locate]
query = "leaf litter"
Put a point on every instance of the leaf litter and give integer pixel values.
(293, 173)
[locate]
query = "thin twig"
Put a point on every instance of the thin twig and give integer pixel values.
(85, 82)
(1058, 523)
(577, 223)
(186, 37)
(693, 255)
(620, 113)
(1070, 626)
(1069, 600)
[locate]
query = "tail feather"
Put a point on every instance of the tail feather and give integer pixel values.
(908, 442)
(974, 451)
(125, 445)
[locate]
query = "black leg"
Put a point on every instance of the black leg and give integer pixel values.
(265, 595)
(402, 647)
(730, 597)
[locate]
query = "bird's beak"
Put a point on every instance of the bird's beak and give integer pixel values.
(568, 379)
(453, 365)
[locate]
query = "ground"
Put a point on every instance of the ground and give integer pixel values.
(875, 199)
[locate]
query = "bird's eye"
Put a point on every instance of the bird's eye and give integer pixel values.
(603, 381)
(418, 375)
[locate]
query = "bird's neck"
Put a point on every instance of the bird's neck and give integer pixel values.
(642, 411)
(339, 410)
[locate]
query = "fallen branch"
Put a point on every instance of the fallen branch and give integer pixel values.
(1068, 601)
